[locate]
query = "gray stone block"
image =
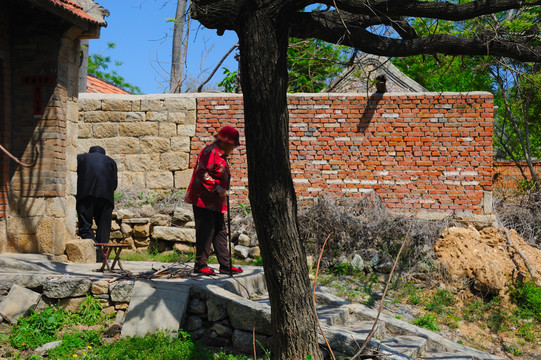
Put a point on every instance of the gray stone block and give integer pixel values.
(155, 307)
(243, 341)
(216, 309)
(66, 287)
(408, 345)
(18, 301)
(245, 314)
(174, 234)
(122, 291)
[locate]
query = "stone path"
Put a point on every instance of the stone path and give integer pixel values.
(161, 304)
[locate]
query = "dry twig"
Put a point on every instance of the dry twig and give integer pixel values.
(314, 297)
(372, 331)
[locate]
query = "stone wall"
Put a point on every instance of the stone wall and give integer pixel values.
(39, 115)
(148, 136)
(422, 152)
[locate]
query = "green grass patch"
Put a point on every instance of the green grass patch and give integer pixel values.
(158, 346)
(440, 302)
(165, 257)
(78, 343)
(527, 297)
(427, 321)
(40, 328)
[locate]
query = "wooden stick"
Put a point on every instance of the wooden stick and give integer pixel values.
(314, 297)
(527, 262)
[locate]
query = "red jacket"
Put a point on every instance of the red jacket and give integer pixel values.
(211, 170)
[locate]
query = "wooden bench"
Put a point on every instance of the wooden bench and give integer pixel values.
(106, 250)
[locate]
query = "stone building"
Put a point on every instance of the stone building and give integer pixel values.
(367, 74)
(39, 65)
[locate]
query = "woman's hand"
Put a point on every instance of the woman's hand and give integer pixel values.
(221, 191)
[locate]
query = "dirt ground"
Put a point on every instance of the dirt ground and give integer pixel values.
(486, 258)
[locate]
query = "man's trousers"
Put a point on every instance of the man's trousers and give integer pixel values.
(101, 211)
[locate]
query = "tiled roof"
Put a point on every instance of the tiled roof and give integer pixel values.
(75, 9)
(97, 85)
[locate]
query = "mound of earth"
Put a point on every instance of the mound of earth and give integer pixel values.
(486, 258)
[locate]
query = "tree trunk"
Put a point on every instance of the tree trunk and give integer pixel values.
(263, 48)
(177, 58)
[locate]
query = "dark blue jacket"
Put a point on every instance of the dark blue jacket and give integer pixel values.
(96, 175)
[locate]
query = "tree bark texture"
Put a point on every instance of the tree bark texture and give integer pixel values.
(177, 61)
(263, 40)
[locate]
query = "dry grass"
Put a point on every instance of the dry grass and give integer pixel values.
(162, 202)
(364, 226)
(522, 213)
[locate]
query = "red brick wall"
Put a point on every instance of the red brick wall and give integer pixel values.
(507, 175)
(416, 151)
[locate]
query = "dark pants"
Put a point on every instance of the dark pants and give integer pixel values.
(210, 229)
(101, 211)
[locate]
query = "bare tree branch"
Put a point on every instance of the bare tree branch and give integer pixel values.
(200, 87)
(443, 10)
(328, 27)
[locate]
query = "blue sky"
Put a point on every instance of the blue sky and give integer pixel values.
(143, 43)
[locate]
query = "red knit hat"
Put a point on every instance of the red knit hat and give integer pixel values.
(229, 135)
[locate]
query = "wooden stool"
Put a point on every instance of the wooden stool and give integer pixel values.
(106, 251)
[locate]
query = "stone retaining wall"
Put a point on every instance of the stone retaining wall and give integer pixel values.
(214, 316)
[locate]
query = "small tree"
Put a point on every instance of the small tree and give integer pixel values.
(179, 51)
(518, 125)
(99, 66)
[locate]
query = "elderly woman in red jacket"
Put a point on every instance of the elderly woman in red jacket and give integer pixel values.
(208, 195)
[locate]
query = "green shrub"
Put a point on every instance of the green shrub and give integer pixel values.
(158, 346)
(441, 300)
(90, 312)
(475, 311)
(497, 319)
(427, 321)
(527, 296)
(341, 269)
(527, 332)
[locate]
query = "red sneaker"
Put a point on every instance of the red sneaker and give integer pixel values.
(234, 270)
(205, 270)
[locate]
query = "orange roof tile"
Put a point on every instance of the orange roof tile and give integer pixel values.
(75, 9)
(97, 85)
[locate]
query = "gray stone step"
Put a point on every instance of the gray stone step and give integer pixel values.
(332, 315)
(155, 307)
(363, 328)
(449, 356)
(408, 345)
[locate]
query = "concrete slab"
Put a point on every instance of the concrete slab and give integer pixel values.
(18, 301)
(155, 306)
(409, 345)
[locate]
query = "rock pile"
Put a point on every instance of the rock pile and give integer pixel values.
(485, 258)
(157, 232)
